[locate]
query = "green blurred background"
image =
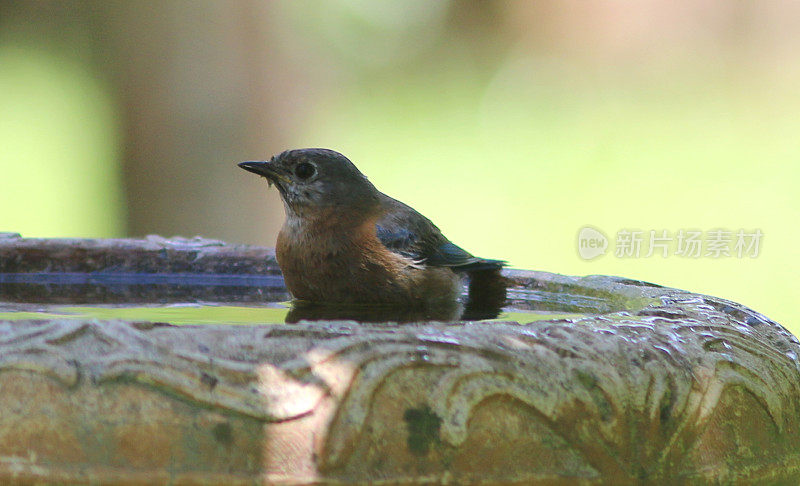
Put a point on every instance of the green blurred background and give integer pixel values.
(510, 124)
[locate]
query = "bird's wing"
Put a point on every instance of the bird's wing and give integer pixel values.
(403, 230)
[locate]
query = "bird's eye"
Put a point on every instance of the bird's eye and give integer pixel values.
(304, 170)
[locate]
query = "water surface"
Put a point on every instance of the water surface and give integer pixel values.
(183, 313)
(245, 299)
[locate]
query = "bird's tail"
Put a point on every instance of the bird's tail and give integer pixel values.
(480, 264)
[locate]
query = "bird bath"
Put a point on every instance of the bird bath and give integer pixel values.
(121, 363)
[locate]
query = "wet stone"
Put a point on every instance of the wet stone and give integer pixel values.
(120, 363)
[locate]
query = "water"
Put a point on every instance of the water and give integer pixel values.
(189, 299)
(193, 313)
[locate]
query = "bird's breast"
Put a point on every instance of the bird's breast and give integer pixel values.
(354, 266)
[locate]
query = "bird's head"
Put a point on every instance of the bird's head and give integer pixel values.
(314, 181)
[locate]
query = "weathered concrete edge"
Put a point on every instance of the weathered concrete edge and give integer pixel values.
(712, 342)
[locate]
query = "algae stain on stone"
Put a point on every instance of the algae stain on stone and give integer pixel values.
(423, 429)
(223, 433)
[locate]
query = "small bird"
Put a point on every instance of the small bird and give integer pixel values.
(343, 241)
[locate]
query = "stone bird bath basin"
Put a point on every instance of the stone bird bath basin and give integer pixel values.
(627, 383)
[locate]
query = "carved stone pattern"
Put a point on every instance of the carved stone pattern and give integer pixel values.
(598, 382)
(649, 390)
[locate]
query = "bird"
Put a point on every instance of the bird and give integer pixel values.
(343, 241)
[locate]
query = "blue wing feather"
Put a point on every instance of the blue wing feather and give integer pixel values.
(410, 234)
(399, 240)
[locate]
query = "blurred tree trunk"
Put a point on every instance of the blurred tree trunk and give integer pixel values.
(198, 94)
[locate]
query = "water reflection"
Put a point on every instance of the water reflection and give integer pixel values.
(312, 311)
(190, 304)
(485, 298)
(254, 299)
(125, 288)
(486, 295)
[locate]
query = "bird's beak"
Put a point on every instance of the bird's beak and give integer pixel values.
(265, 169)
